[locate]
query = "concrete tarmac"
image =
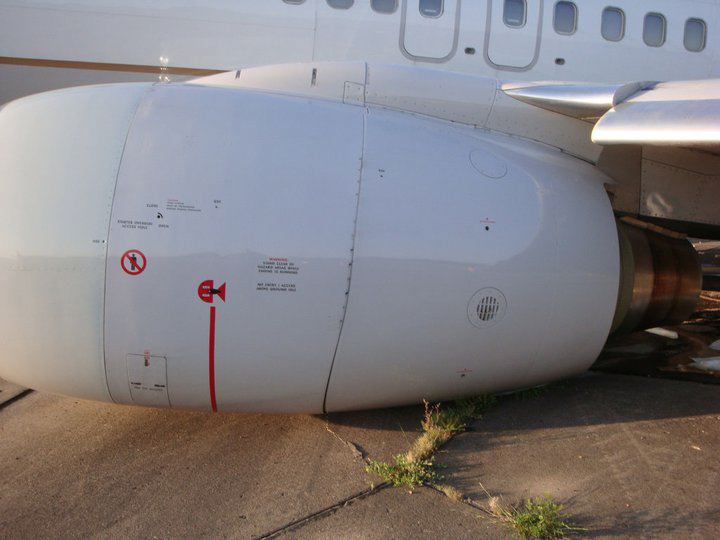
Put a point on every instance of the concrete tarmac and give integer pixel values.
(75, 468)
(629, 456)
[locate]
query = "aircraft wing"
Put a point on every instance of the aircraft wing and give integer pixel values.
(682, 113)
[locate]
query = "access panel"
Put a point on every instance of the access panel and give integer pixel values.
(229, 249)
(513, 33)
(430, 28)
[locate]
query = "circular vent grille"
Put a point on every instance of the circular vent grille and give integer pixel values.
(487, 307)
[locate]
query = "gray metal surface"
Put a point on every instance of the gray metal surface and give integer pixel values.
(682, 113)
(582, 101)
(661, 278)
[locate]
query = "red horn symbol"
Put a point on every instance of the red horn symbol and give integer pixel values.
(207, 291)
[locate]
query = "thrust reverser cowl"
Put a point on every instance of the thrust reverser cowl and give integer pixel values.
(199, 247)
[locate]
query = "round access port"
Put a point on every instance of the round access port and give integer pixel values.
(487, 307)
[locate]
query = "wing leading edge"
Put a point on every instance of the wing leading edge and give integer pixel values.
(681, 113)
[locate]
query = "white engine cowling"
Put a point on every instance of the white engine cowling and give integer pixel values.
(221, 249)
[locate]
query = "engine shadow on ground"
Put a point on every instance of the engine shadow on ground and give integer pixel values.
(642, 396)
(644, 523)
(627, 456)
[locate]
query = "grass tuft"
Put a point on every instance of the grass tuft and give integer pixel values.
(451, 493)
(537, 518)
(404, 472)
(439, 426)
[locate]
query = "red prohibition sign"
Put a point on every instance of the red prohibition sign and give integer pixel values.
(133, 262)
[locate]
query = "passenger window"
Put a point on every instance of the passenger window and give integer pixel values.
(695, 35)
(613, 24)
(431, 8)
(654, 30)
(514, 13)
(565, 19)
(341, 4)
(384, 6)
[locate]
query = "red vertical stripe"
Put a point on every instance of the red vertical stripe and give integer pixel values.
(211, 356)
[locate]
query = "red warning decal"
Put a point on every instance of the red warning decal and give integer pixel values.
(211, 360)
(207, 291)
(133, 262)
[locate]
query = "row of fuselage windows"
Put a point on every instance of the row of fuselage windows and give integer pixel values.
(612, 26)
(428, 8)
(565, 20)
(381, 6)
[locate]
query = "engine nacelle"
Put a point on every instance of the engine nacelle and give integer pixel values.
(211, 248)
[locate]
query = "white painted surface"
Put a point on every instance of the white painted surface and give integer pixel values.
(147, 379)
(467, 99)
(231, 185)
(54, 216)
(448, 96)
(230, 34)
(514, 47)
(286, 171)
(324, 80)
(222, 34)
(407, 334)
(337, 32)
(430, 37)
(227, 34)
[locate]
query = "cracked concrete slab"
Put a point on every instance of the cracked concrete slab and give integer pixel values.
(77, 468)
(628, 456)
(395, 513)
(9, 391)
(367, 430)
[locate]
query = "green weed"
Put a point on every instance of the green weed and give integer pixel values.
(538, 518)
(439, 426)
(404, 472)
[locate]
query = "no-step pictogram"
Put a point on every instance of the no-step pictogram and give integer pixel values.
(133, 262)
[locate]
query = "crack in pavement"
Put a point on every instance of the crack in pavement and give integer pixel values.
(345, 503)
(467, 501)
(357, 450)
(16, 398)
(358, 453)
(327, 511)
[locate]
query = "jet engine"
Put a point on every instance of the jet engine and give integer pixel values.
(199, 247)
